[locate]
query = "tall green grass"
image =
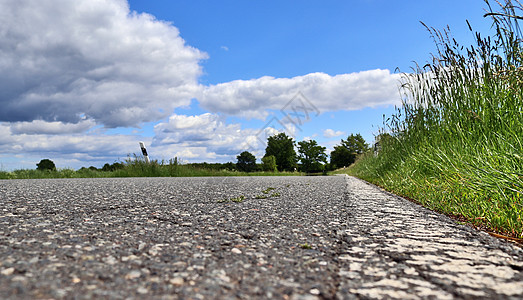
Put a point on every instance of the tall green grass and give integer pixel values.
(456, 143)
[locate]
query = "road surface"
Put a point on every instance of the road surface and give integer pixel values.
(240, 238)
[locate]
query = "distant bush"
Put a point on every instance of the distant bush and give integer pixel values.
(113, 167)
(269, 164)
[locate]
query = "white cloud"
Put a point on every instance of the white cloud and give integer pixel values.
(43, 127)
(62, 59)
(207, 131)
(251, 98)
(95, 145)
(329, 133)
(205, 137)
(67, 149)
(67, 144)
(208, 137)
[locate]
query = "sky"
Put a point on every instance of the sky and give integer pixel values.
(82, 82)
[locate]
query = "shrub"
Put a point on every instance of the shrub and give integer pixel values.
(269, 164)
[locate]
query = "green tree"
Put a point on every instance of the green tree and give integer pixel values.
(46, 164)
(229, 166)
(345, 154)
(269, 164)
(282, 148)
(355, 144)
(246, 162)
(312, 156)
(117, 166)
(341, 157)
(111, 168)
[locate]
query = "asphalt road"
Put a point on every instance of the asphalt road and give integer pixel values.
(250, 237)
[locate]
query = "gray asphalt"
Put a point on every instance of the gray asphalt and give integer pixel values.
(240, 238)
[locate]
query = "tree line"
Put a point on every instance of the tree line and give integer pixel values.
(280, 155)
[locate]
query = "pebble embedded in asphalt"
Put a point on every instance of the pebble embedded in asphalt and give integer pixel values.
(240, 237)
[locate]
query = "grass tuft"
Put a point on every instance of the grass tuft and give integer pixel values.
(305, 246)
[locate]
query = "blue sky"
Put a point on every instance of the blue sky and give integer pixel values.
(85, 80)
(292, 38)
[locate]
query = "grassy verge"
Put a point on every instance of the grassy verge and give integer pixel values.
(137, 168)
(455, 145)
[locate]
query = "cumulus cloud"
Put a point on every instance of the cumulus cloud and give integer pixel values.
(251, 98)
(329, 133)
(43, 127)
(66, 145)
(205, 137)
(209, 137)
(209, 131)
(62, 60)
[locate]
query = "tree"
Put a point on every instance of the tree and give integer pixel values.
(345, 154)
(269, 164)
(355, 144)
(246, 162)
(46, 164)
(229, 166)
(115, 166)
(282, 148)
(341, 157)
(312, 156)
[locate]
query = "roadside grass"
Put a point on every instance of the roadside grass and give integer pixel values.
(137, 167)
(62, 173)
(455, 145)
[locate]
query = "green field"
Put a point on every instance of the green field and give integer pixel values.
(137, 167)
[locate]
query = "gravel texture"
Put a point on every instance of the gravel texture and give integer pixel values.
(248, 237)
